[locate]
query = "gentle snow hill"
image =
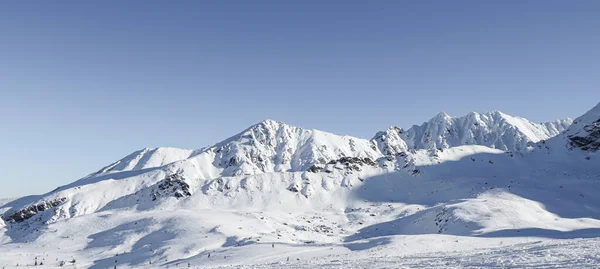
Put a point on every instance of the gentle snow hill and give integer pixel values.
(147, 158)
(278, 195)
(492, 129)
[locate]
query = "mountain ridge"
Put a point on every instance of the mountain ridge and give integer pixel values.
(493, 128)
(395, 140)
(305, 187)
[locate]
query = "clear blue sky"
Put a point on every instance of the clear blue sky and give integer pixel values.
(84, 83)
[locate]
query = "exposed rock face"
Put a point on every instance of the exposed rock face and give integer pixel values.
(588, 140)
(353, 163)
(348, 163)
(32, 210)
(172, 185)
(315, 168)
(585, 131)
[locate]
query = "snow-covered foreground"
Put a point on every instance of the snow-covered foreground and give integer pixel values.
(415, 251)
(279, 196)
(574, 253)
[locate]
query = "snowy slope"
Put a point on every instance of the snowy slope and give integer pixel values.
(493, 129)
(389, 141)
(266, 147)
(277, 195)
(585, 131)
(147, 158)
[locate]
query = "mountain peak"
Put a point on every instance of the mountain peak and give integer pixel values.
(441, 116)
(493, 129)
(497, 113)
(272, 146)
(269, 122)
(290, 186)
(389, 141)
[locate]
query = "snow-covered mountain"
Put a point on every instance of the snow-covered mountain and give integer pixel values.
(492, 129)
(288, 191)
(272, 146)
(265, 147)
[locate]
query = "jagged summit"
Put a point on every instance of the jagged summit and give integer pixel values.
(272, 146)
(265, 124)
(493, 129)
(389, 141)
(268, 123)
(441, 116)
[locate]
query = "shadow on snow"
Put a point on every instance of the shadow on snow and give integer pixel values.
(566, 194)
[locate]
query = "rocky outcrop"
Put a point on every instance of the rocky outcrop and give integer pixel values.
(33, 210)
(589, 139)
(173, 185)
(348, 163)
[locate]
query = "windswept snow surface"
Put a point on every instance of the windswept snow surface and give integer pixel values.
(503, 192)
